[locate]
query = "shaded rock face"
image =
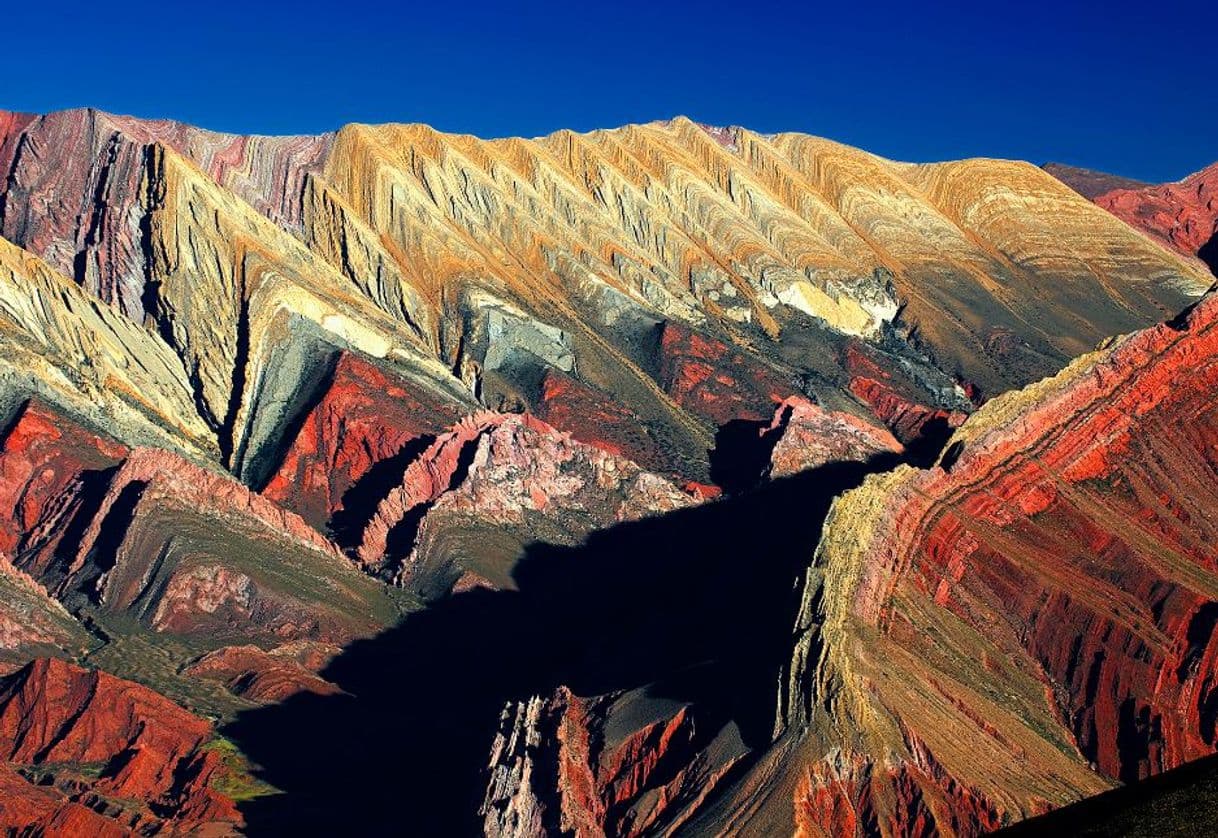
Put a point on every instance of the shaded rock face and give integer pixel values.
(1089, 183)
(895, 402)
(86, 751)
(625, 764)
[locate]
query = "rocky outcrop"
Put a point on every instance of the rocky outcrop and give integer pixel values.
(851, 794)
(31, 622)
(808, 436)
(262, 676)
(61, 345)
(44, 457)
(87, 751)
(356, 438)
(499, 481)
(624, 764)
(897, 404)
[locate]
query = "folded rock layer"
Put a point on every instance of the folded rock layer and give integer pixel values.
(1032, 618)
(269, 403)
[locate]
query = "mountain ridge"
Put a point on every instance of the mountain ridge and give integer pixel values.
(286, 419)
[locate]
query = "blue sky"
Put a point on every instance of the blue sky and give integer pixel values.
(1125, 87)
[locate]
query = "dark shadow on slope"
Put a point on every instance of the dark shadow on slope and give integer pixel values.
(1183, 801)
(924, 451)
(360, 500)
(741, 455)
(1209, 254)
(711, 588)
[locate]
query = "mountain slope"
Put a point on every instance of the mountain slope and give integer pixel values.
(1025, 623)
(1183, 215)
(446, 447)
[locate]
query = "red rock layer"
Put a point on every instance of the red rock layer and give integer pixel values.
(191, 550)
(363, 418)
(711, 379)
(1109, 482)
(1182, 215)
(41, 455)
(239, 564)
(854, 795)
(876, 387)
(1090, 183)
(810, 437)
(266, 677)
(425, 479)
(593, 417)
(613, 765)
(38, 810)
(1060, 556)
(109, 747)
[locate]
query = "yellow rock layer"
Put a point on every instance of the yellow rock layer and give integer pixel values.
(77, 351)
(229, 283)
(697, 228)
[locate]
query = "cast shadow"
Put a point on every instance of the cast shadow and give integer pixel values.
(711, 590)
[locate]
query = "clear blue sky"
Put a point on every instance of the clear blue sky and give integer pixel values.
(1125, 87)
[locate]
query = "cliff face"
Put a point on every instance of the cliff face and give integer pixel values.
(614, 765)
(267, 402)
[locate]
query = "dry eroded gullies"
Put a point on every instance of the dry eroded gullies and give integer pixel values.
(263, 399)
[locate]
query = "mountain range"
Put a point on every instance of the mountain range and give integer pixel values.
(664, 479)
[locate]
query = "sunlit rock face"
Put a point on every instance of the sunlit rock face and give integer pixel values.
(87, 753)
(267, 403)
(1182, 216)
(1048, 589)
